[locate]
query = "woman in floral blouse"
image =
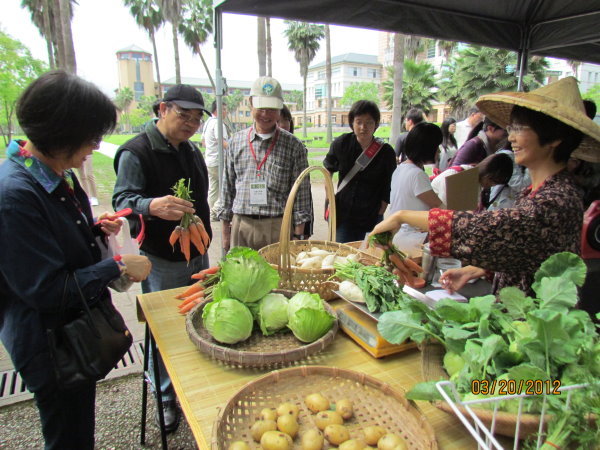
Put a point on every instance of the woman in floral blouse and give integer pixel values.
(545, 127)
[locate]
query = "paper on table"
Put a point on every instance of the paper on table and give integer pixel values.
(438, 294)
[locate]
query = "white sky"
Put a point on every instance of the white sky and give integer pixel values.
(102, 27)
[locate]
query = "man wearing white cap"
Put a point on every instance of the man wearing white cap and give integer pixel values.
(261, 166)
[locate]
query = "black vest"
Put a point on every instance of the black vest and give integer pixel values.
(162, 170)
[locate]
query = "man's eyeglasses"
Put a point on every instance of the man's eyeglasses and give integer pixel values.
(516, 128)
(187, 117)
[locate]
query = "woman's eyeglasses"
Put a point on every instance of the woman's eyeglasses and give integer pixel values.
(187, 117)
(517, 129)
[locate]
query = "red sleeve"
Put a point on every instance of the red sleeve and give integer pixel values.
(440, 231)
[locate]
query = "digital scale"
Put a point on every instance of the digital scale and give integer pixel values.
(361, 326)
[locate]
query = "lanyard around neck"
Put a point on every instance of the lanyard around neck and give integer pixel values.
(273, 141)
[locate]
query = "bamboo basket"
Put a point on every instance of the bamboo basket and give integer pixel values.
(278, 254)
(432, 359)
(375, 403)
(273, 351)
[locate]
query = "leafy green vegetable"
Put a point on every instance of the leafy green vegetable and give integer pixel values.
(246, 276)
(228, 320)
(307, 317)
(565, 265)
(272, 313)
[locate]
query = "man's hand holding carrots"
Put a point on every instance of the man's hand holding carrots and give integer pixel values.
(170, 207)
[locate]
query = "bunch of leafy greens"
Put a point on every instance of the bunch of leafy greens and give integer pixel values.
(307, 317)
(272, 313)
(513, 337)
(227, 320)
(379, 286)
(245, 276)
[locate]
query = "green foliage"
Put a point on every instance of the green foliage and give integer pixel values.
(477, 70)
(124, 98)
(196, 23)
(418, 83)
(145, 104)
(360, 91)
(294, 97)
(138, 117)
(17, 69)
(593, 93)
(233, 100)
(303, 39)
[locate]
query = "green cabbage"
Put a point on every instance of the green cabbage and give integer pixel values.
(272, 313)
(246, 276)
(228, 320)
(307, 317)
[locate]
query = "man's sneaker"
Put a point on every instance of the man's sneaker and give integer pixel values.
(94, 201)
(171, 415)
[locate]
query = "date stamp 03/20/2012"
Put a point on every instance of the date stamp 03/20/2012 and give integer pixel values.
(515, 387)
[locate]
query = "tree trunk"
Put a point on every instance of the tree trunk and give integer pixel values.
(261, 45)
(212, 83)
(176, 50)
(328, 74)
(397, 99)
(304, 76)
(269, 47)
(57, 37)
(152, 38)
(67, 36)
(48, 33)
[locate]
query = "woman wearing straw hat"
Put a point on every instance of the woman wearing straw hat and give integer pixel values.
(545, 127)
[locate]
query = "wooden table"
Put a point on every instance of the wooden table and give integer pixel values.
(203, 385)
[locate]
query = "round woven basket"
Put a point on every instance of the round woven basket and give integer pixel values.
(278, 254)
(375, 403)
(432, 360)
(273, 351)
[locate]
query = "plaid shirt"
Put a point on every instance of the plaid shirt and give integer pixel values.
(287, 160)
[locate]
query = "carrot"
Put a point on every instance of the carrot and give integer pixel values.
(202, 230)
(184, 243)
(203, 273)
(191, 298)
(198, 276)
(410, 264)
(175, 236)
(187, 308)
(192, 289)
(417, 283)
(197, 239)
(398, 262)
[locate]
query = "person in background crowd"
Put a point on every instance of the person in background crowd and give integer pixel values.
(211, 156)
(463, 127)
(413, 117)
(286, 121)
(261, 166)
(494, 173)
(546, 218)
(364, 199)
(88, 180)
(47, 233)
(485, 143)
(448, 146)
(147, 167)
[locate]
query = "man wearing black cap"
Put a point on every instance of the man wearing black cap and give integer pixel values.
(147, 167)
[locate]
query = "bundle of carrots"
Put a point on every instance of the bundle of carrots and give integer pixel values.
(190, 229)
(393, 258)
(200, 290)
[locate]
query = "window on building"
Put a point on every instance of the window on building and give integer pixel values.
(333, 118)
(372, 73)
(431, 50)
(138, 90)
(247, 113)
(320, 91)
(321, 75)
(355, 71)
(335, 71)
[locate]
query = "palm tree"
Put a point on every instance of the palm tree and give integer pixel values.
(195, 26)
(328, 75)
(66, 35)
(261, 46)
(171, 10)
(574, 64)
(447, 48)
(399, 46)
(148, 16)
(269, 47)
(41, 17)
(413, 46)
(417, 86)
(123, 100)
(303, 40)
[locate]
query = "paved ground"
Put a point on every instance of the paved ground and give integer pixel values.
(118, 405)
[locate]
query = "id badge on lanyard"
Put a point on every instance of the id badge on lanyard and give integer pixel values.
(258, 187)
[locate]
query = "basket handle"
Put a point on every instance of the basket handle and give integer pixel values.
(284, 236)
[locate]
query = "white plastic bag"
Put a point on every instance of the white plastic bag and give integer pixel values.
(122, 244)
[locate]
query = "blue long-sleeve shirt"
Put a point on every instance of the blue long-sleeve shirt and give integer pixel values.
(44, 234)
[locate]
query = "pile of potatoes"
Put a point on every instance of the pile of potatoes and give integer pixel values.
(277, 428)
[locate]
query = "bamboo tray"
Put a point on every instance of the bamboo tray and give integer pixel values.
(273, 351)
(375, 403)
(278, 254)
(432, 358)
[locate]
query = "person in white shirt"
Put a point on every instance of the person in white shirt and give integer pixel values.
(210, 142)
(438, 184)
(463, 127)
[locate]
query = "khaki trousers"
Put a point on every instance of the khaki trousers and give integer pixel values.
(254, 233)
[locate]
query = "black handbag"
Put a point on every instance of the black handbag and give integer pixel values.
(86, 347)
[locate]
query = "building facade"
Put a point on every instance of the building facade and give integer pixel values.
(136, 72)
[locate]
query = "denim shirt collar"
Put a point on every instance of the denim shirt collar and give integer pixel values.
(45, 176)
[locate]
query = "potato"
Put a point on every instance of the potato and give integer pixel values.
(391, 441)
(288, 409)
(324, 418)
(276, 440)
(268, 414)
(373, 434)
(353, 444)
(260, 427)
(312, 440)
(316, 402)
(345, 408)
(336, 434)
(287, 424)
(238, 445)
